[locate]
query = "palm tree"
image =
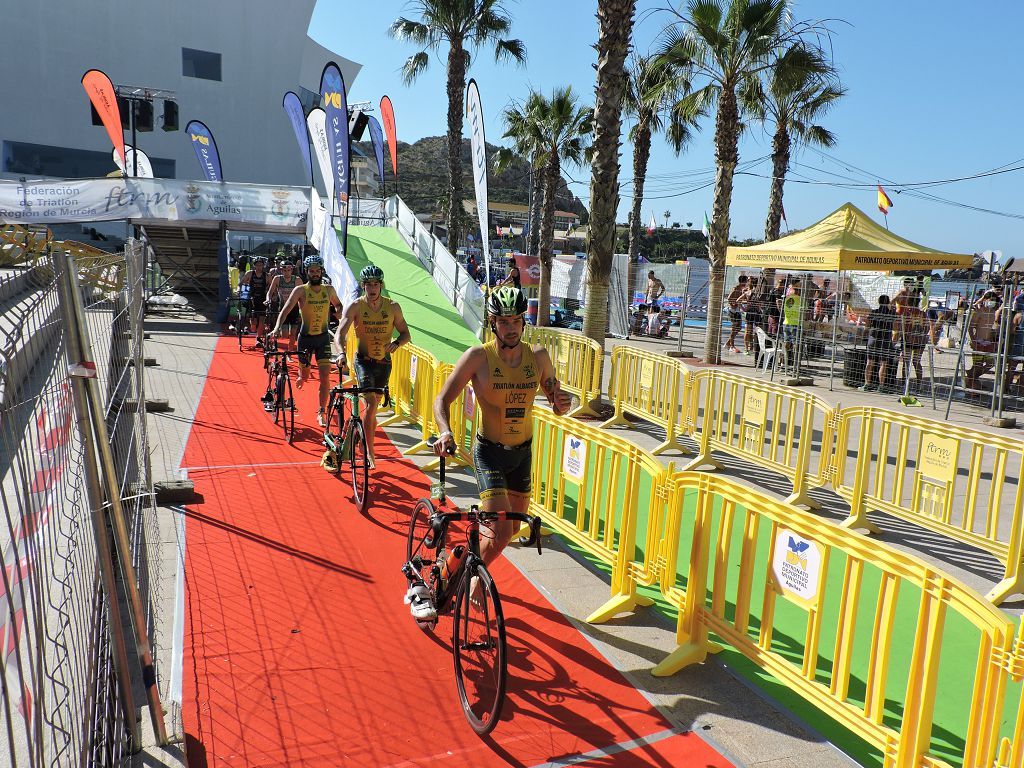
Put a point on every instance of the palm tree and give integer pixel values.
(553, 130)
(653, 86)
(459, 23)
(524, 149)
(615, 33)
(729, 43)
(800, 87)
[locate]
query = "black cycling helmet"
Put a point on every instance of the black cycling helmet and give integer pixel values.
(506, 301)
(371, 272)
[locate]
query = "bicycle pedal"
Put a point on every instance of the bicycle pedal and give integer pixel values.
(426, 625)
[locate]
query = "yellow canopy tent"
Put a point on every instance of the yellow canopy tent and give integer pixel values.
(845, 240)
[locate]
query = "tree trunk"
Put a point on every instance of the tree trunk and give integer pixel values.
(726, 156)
(552, 175)
(456, 108)
(533, 247)
(780, 166)
(641, 155)
(615, 25)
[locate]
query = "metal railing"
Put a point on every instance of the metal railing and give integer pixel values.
(67, 696)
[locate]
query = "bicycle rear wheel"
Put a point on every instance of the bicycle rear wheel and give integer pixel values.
(480, 649)
(359, 463)
(287, 407)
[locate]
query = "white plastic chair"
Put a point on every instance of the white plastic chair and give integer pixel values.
(767, 347)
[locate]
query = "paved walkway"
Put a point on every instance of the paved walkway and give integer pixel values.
(729, 713)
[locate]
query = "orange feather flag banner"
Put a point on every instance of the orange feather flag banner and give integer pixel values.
(884, 203)
(104, 100)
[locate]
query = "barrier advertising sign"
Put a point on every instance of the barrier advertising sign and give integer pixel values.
(797, 567)
(574, 458)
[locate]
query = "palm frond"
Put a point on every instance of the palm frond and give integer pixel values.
(412, 31)
(510, 51)
(414, 66)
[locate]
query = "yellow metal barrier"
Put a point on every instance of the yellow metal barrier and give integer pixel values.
(650, 387)
(738, 590)
(587, 486)
(414, 374)
(577, 360)
(774, 426)
(960, 482)
(464, 416)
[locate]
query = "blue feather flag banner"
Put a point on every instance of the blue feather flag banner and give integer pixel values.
(297, 117)
(377, 138)
(335, 106)
(206, 150)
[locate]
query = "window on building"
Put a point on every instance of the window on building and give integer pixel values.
(201, 64)
(66, 163)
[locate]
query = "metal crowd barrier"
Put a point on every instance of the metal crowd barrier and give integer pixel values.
(959, 482)
(651, 387)
(596, 490)
(413, 383)
(771, 425)
(741, 560)
(577, 360)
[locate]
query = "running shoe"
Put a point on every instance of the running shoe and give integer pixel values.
(420, 605)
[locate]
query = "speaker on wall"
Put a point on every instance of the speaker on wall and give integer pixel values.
(144, 116)
(357, 124)
(170, 122)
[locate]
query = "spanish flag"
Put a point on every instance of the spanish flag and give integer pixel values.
(884, 203)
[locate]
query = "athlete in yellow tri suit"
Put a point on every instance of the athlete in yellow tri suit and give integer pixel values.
(375, 319)
(505, 374)
(314, 300)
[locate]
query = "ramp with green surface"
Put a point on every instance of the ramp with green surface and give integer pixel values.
(434, 323)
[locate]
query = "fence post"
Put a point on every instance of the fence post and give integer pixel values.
(117, 521)
(801, 497)
(704, 458)
(858, 513)
(103, 555)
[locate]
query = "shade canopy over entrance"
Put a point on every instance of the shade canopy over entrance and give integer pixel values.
(847, 239)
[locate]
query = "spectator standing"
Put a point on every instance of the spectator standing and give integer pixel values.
(984, 337)
(912, 330)
(880, 344)
(735, 311)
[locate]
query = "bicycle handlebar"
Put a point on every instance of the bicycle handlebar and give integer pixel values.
(365, 391)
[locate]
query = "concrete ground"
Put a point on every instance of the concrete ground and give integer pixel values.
(731, 714)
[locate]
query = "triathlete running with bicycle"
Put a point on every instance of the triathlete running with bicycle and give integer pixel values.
(258, 281)
(314, 300)
(375, 319)
(505, 374)
(281, 287)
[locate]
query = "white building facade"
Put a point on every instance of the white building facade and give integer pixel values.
(228, 62)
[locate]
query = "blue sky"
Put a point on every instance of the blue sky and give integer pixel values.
(933, 95)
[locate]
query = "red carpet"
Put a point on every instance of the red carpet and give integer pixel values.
(299, 651)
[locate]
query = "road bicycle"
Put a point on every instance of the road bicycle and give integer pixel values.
(452, 575)
(346, 436)
(278, 397)
(243, 311)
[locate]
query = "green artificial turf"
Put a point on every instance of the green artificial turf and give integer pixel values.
(434, 323)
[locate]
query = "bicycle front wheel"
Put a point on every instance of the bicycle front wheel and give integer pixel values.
(480, 649)
(359, 463)
(287, 406)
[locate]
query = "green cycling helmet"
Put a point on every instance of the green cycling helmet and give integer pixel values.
(371, 272)
(506, 301)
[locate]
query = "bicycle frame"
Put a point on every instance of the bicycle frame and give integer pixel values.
(336, 403)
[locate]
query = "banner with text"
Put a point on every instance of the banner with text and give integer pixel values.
(316, 121)
(138, 163)
(156, 200)
(206, 150)
(335, 105)
(104, 101)
(478, 163)
(377, 139)
(293, 108)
